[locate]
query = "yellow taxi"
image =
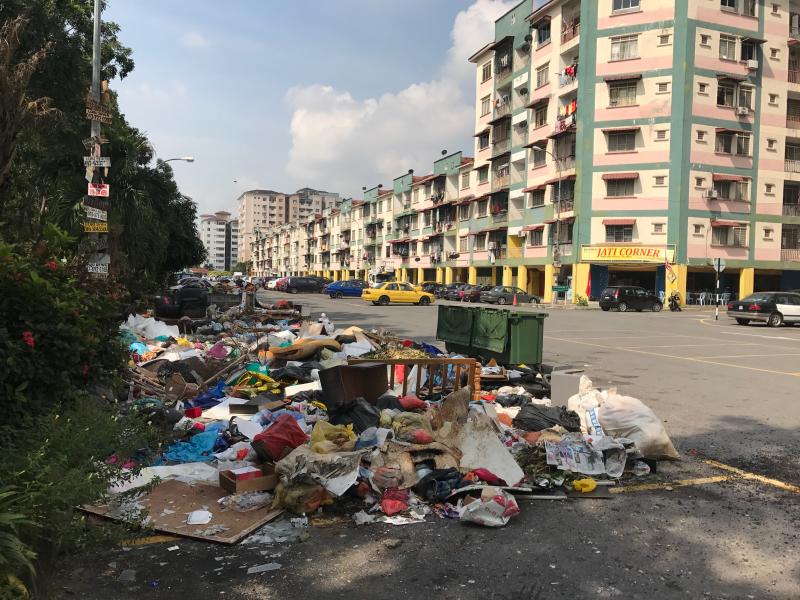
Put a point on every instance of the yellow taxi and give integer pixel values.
(393, 292)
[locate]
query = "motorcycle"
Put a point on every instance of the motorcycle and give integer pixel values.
(675, 302)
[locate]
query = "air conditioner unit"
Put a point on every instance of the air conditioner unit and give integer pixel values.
(711, 194)
(752, 64)
(742, 111)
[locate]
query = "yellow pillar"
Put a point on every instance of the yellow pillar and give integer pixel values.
(676, 281)
(522, 278)
(403, 274)
(472, 275)
(508, 276)
(494, 275)
(580, 279)
(439, 275)
(747, 279)
(448, 274)
(548, 283)
(420, 275)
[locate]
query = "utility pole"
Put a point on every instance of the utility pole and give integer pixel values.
(96, 66)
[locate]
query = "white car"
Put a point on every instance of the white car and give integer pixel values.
(270, 285)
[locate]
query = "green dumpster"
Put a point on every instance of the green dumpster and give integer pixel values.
(510, 337)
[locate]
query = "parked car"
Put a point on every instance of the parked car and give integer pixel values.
(629, 297)
(186, 299)
(397, 293)
(431, 287)
(456, 293)
(296, 285)
(280, 284)
(472, 293)
(772, 308)
(503, 294)
(351, 288)
(271, 282)
(442, 292)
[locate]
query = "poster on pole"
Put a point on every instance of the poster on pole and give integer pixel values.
(97, 112)
(95, 213)
(96, 161)
(95, 226)
(100, 190)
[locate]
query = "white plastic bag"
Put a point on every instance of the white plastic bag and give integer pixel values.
(626, 417)
(494, 508)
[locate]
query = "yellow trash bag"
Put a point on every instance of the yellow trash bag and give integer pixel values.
(327, 438)
(585, 485)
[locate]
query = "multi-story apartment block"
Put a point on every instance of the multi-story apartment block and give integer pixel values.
(220, 236)
(616, 142)
(260, 210)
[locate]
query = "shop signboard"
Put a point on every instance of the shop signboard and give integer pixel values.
(628, 253)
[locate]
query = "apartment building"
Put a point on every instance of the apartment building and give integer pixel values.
(220, 236)
(628, 150)
(263, 209)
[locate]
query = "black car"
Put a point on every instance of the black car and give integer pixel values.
(186, 299)
(503, 294)
(456, 293)
(296, 285)
(447, 288)
(772, 308)
(628, 297)
(432, 287)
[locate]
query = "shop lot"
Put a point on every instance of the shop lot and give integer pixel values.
(727, 393)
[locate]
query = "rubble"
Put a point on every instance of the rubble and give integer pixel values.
(286, 414)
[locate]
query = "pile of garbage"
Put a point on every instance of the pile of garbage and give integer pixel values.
(279, 413)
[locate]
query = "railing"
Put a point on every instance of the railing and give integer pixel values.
(570, 32)
(501, 146)
(501, 217)
(793, 121)
(499, 182)
(790, 254)
(502, 110)
(566, 204)
(791, 165)
(791, 210)
(565, 80)
(566, 162)
(794, 76)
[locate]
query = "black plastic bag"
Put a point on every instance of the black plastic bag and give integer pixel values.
(359, 412)
(535, 417)
(438, 485)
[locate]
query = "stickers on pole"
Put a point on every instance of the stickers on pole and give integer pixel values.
(95, 226)
(100, 190)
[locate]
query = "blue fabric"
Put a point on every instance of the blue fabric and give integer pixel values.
(138, 347)
(431, 350)
(210, 398)
(198, 448)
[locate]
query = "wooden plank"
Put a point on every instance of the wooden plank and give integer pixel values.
(169, 503)
(457, 385)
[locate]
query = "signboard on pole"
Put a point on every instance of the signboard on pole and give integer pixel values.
(95, 213)
(95, 226)
(97, 161)
(97, 268)
(98, 189)
(97, 112)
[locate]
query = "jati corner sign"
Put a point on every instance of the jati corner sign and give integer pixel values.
(628, 253)
(98, 189)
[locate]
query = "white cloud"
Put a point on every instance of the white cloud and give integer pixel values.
(342, 143)
(194, 39)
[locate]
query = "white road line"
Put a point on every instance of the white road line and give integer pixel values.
(695, 345)
(751, 355)
(766, 337)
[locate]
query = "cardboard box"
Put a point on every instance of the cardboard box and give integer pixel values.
(343, 384)
(268, 481)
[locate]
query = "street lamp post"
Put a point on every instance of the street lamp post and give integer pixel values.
(188, 159)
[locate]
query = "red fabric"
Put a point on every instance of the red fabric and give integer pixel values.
(487, 476)
(399, 373)
(283, 436)
(394, 501)
(412, 403)
(505, 419)
(532, 437)
(199, 427)
(421, 436)
(407, 343)
(193, 412)
(589, 285)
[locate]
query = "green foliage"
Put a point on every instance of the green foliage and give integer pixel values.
(582, 300)
(15, 555)
(243, 267)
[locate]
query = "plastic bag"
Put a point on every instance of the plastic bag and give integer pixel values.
(387, 477)
(534, 417)
(623, 416)
(412, 427)
(283, 436)
(394, 501)
(494, 508)
(300, 498)
(360, 413)
(326, 438)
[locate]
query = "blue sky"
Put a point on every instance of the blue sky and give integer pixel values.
(330, 94)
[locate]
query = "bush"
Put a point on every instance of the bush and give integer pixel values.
(582, 300)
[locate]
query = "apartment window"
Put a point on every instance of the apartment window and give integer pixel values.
(745, 96)
(662, 88)
(773, 99)
(485, 105)
(748, 51)
(462, 244)
(463, 212)
(663, 39)
(426, 218)
(705, 39)
(772, 144)
(415, 195)
(624, 47)
(620, 5)
(658, 228)
(735, 237)
(539, 157)
(619, 233)
(536, 237)
(621, 141)
(540, 115)
(486, 71)
(661, 180)
(483, 140)
(769, 188)
(733, 190)
(774, 53)
(483, 174)
(729, 4)
(543, 32)
(536, 198)
(702, 88)
(542, 75)
(483, 207)
(724, 143)
(622, 93)
(701, 135)
(727, 47)
(618, 188)
(698, 229)
(725, 94)
(767, 233)
(776, 9)
(661, 135)
(480, 242)
(465, 180)
(743, 144)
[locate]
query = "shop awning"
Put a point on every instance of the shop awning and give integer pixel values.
(722, 223)
(725, 177)
(623, 175)
(533, 228)
(533, 188)
(619, 221)
(621, 129)
(557, 179)
(622, 77)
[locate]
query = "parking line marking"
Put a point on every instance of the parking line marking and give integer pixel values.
(668, 485)
(789, 487)
(750, 355)
(696, 346)
(766, 337)
(697, 360)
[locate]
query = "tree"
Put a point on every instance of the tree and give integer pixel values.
(243, 267)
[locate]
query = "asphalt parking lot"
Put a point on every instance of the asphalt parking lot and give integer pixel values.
(728, 396)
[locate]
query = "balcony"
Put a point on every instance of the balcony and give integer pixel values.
(566, 162)
(570, 30)
(790, 254)
(500, 181)
(791, 165)
(500, 217)
(501, 111)
(793, 121)
(566, 205)
(794, 76)
(564, 80)
(501, 146)
(791, 210)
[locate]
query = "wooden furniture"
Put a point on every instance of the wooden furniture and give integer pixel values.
(470, 366)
